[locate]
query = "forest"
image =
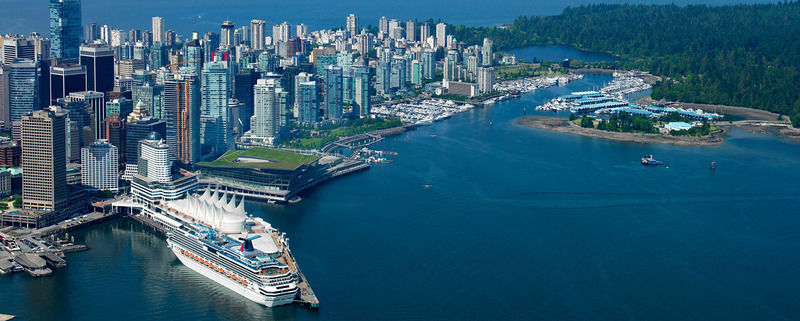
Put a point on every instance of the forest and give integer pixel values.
(740, 55)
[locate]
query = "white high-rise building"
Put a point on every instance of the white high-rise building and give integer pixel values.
(441, 34)
(269, 106)
(99, 166)
(424, 32)
(302, 30)
(352, 25)
(158, 29)
(281, 32)
(154, 160)
(257, 34)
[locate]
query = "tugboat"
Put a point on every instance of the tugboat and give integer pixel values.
(648, 160)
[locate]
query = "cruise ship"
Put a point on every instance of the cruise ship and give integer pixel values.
(213, 235)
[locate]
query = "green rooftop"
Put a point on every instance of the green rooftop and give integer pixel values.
(261, 157)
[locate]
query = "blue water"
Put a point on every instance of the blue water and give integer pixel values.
(518, 224)
(184, 16)
(558, 53)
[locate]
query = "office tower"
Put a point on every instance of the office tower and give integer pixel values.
(302, 30)
(485, 79)
(148, 95)
(333, 92)
(17, 48)
(158, 30)
(216, 131)
(105, 34)
(383, 26)
(98, 60)
(147, 38)
(293, 47)
(126, 68)
(244, 36)
(416, 72)
(193, 55)
(170, 37)
(99, 165)
(226, 34)
(267, 62)
(441, 34)
(383, 77)
(307, 102)
(23, 88)
(257, 34)
(91, 32)
(486, 52)
(362, 106)
(154, 158)
(65, 79)
(134, 35)
(114, 133)
(270, 104)
(96, 106)
(139, 51)
(398, 73)
(119, 106)
(65, 28)
(210, 43)
(158, 56)
(424, 32)
(243, 92)
(411, 30)
(182, 109)
(352, 25)
(5, 116)
(44, 178)
(137, 131)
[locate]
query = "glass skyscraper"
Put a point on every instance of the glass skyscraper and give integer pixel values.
(23, 88)
(66, 28)
(216, 128)
(333, 92)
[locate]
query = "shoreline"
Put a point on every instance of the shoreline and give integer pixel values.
(564, 125)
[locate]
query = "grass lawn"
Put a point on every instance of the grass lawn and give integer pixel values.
(272, 158)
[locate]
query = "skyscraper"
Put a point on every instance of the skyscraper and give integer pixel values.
(96, 106)
(114, 131)
(352, 25)
(362, 106)
(307, 102)
(243, 92)
(23, 88)
(485, 79)
(333, 92)
(193, 55)
(99, 166)
(424, 32)
(383, 26)
(158, 30)
(17, 48)
(486, 52)
(226, 34)
(182, 108)
(216, 129)
(5, 116)
(441, 34)
(270, 102)
(428, 64)
(383, 77)
(139, 130)
(44, 178)
(66, 28)
(91, 32)
(99, 62)
(66, 79)
(411, 30)
(257, 34)
(302, 30)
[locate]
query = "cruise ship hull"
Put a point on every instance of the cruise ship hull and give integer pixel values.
(234, 286)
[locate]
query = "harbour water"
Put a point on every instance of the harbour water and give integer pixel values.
(516, 224)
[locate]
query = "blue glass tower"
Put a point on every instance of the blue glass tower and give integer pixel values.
(333, 92)
(66, 28)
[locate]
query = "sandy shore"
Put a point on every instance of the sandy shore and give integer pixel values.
(563, 125)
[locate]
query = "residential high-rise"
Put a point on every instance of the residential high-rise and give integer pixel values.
(424, 32)
(428, 64)
(91, 32)
(193, 56)
(307, 104)
(23, 88)
(44, 178)
(96, 107)
(281, 32)
(182, 109)
(158, 30)
(302, 30)
(257, 34)
(99, 166)
(154, 158)
(158, 56)
(270, 104)
(486, 52)
(216, 129)
(416, 72)
(66, 28)
(333, 93)
(485, 79)
(352, 25)
(411, 30)
(99, 62)
(362, 106)
(441, 34)
(226, 34)
(383, 77)
(383, 26)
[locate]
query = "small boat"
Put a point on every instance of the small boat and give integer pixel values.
(648, 160)
(713, 165)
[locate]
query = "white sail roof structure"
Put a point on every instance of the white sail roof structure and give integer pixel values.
(215, 210)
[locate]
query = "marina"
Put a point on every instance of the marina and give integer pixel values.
(528, 85)
(422, 112)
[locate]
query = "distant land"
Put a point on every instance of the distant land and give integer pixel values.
(737, 55)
